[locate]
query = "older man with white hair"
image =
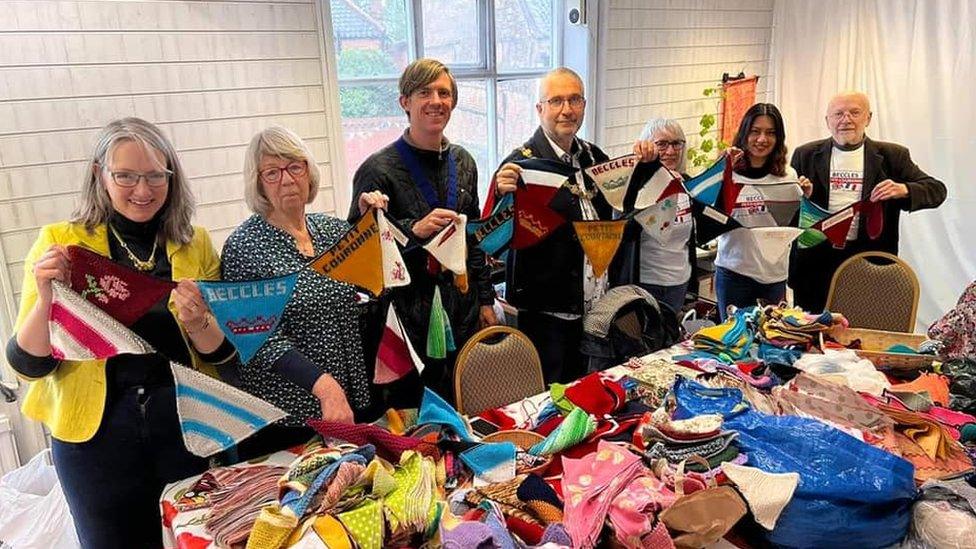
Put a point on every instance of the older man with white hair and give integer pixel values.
(844, 169)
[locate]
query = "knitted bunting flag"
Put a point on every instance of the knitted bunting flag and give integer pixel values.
(661, 184)
(394, 269)
(494, 233)
(613, 178)
(534, 219)
(125, 294)
(450, 246)
(357, 257)
(214, 415)
(248, 312)
(657, 217)
(873, 212)
(395, 357)
(821, 225)
(710, 223)
(491, 462)
(600, 241)
(838, 225)
(436, 328)
(705, 186)
(810, 215)
(574, 429)
(81, 331)
(766, 493)
(774, 242)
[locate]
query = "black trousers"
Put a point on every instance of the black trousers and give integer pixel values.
(812, 269)
(558, 342)
(113, 482)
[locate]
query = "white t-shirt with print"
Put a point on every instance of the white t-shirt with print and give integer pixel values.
(846, 182)
(739, 250)
(664, 254)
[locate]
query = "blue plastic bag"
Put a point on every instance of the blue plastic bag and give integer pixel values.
(851, 494)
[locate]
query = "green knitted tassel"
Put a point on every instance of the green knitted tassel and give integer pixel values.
(436, 332)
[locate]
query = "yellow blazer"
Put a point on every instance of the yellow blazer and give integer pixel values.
(70, 400)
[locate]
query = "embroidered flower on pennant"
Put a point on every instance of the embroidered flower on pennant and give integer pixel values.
(106, 287)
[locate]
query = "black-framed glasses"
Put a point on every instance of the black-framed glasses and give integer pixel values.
(664, 144)
(574, 101)
(294, 169)
(131, 179)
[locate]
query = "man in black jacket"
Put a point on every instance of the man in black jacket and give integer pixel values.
(429, 182)
(552, 283)
(847, 168)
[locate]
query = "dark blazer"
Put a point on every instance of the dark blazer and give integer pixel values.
(548, 277)
(881, 161)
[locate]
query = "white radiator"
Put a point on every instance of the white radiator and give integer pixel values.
(9, 459)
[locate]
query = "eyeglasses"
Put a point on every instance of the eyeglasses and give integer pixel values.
(131, 179)
(575, 101)
(663, 144)
(294, 169)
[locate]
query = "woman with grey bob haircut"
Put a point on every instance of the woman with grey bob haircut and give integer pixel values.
(664, 258)
(312, 365)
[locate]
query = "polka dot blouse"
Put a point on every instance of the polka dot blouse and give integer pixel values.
(321, 320)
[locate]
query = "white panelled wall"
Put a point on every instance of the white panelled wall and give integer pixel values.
(656, 57)
(210, 73)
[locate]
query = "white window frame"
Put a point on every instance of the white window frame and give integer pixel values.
(487, 72)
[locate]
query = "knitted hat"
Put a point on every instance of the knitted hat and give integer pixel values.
(766, 493)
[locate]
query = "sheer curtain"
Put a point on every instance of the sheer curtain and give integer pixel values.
(916, 60)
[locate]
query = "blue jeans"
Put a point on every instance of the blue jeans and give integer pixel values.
(731, 288)
(674, 296)
(113, 482)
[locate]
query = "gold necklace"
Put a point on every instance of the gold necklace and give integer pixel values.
(142, 265)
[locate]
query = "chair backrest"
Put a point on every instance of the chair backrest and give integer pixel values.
(880, 295)
(497, 366)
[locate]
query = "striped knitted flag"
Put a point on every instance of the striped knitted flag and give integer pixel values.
(82, 331)
(214, 415)
(705, 186)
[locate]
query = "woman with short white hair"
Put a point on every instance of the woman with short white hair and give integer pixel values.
(312, 365)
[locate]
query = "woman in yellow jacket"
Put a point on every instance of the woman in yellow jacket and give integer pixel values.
(115, 429)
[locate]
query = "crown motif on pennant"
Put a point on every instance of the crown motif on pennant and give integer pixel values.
(254, 325)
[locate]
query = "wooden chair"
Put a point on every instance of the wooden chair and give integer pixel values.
(875, 290)
(497, 366)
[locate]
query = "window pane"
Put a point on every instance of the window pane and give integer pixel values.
(523, 35)
(469, 128)
(371, 37)
(517, 117)
(452, 32)
(371, 119)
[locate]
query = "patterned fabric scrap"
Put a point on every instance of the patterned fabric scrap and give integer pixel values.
(590, 485)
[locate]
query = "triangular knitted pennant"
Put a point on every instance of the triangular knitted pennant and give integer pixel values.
(837, 225)
(248, 312)
(661, 184)
(775, 242)
(600, 241)
(394, 269)
(494, 233)
(811, 213)
(214, 415)
(659, 216)
(434, 409)
(710, 223)
(450, 246)
(766, 493)
(491, 462)
(357, 257)
(436, 343)
(613, 178)
(705, 186)
(534, 219)
(539, 181)
(125, 294)
(395, 357)
(82, 331)
(365, 524)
